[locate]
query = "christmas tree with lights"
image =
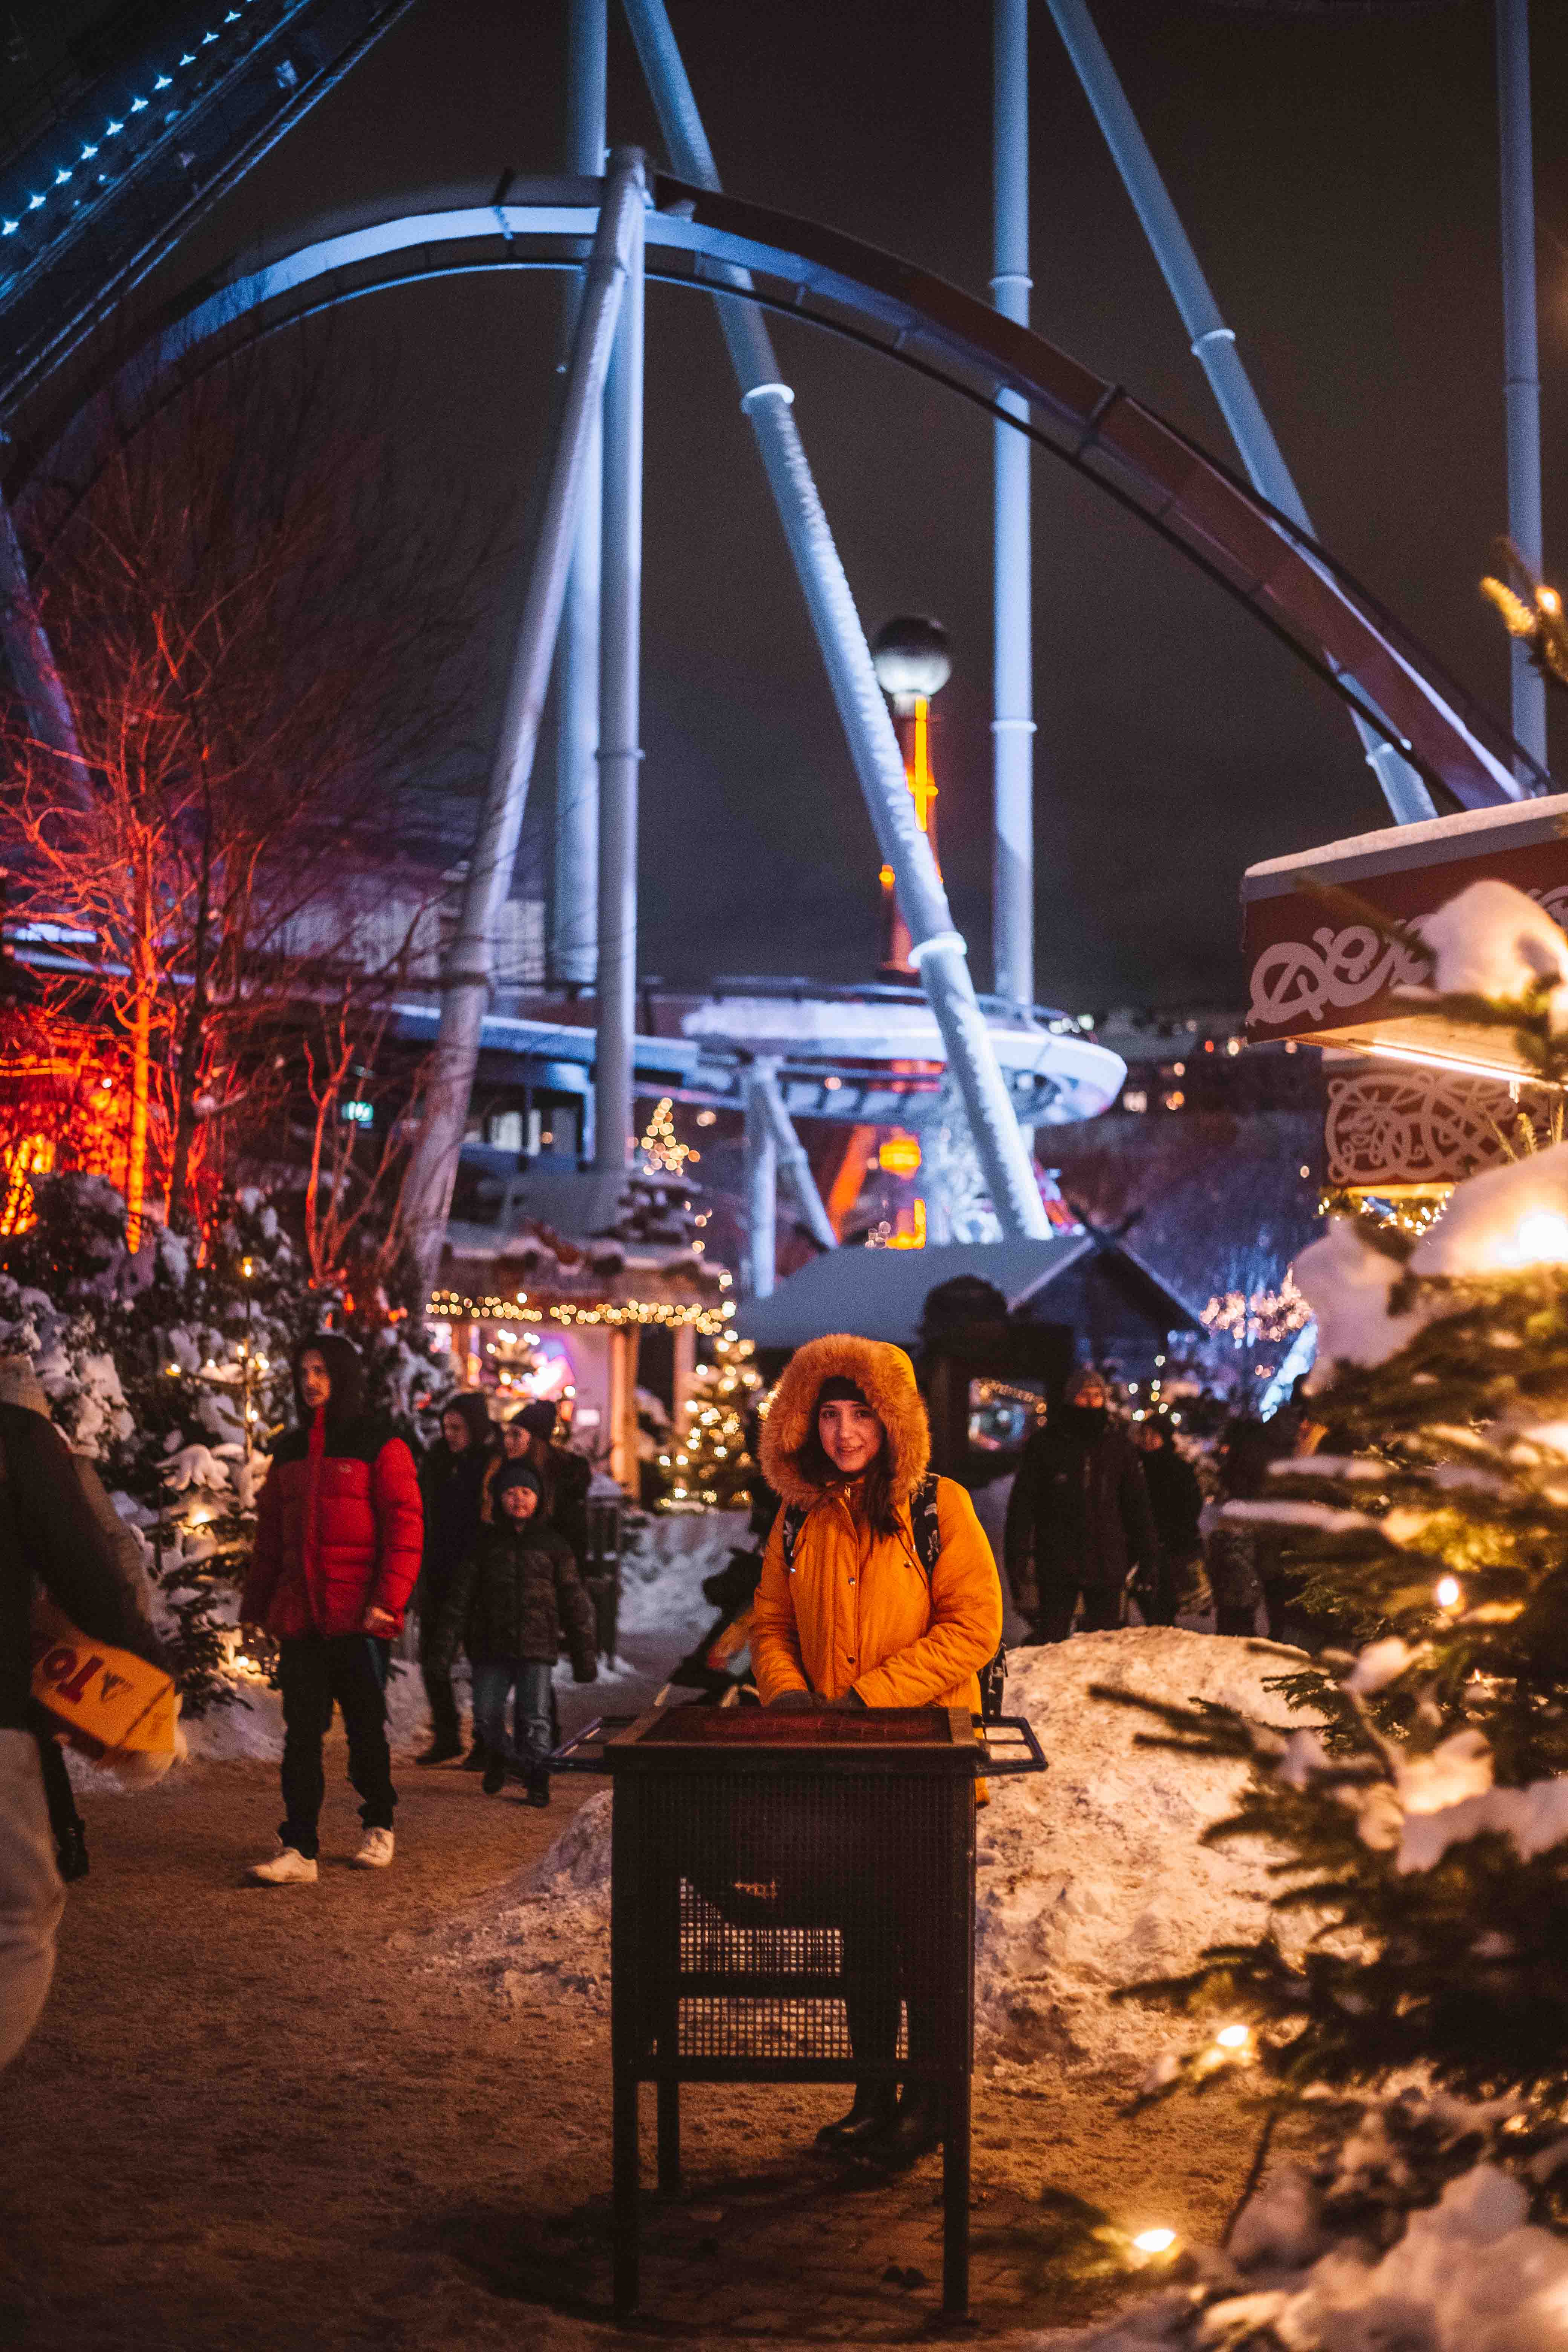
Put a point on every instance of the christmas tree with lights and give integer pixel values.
(707, 1460)
(1418, 1801)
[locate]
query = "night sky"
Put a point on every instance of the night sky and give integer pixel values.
(1339, 185)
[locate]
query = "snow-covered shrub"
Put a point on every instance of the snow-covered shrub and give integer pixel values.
(169, 1369)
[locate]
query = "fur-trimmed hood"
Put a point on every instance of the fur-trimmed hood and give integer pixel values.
(886, 1379)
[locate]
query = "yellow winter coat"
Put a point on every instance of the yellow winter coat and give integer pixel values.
(858, 1611)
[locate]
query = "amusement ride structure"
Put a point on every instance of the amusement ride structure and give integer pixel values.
(114, 179)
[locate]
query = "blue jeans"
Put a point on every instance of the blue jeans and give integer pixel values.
(526, 1680)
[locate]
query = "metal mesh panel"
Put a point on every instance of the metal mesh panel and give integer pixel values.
(798, 1916)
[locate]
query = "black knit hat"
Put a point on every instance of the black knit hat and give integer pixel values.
(517, 1474)
(469, 1406)
(539, 1418)
(839, 1390)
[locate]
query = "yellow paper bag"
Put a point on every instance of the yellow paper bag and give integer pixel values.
(113, 1705)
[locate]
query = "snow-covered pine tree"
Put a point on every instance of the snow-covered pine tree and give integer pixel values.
(705, 1460)
(1414, 1958)
(170, 1369)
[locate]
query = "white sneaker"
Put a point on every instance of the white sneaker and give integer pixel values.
(288, 1867)
(374, 1853)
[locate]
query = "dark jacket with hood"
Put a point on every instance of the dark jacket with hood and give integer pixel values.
(1078, 1513)
(338, 1521)
(515, 1596)
(49, 1529)
(453, 1486)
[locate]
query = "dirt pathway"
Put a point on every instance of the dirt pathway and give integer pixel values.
(253, 2119)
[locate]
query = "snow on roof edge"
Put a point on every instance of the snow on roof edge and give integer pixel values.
(1431, 843)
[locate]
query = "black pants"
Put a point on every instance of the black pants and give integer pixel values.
(1101, 1609)
(438, 1692)
(349, 1669)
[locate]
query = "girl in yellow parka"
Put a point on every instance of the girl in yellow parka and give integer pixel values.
(854, 1620)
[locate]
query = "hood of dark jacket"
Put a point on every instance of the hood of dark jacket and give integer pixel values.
(469, 1406)
(344, 1370)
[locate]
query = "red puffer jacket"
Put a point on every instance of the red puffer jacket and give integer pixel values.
(339, 1529)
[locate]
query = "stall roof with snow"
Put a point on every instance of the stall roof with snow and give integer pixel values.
(1319, 969)
(1096, 1287)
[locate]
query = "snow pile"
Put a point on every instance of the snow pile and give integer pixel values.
(1470, 2274)
(1498, 1222)
(663, 1563)
(1090, 1876)
(1492, 940)
(1347, 1283)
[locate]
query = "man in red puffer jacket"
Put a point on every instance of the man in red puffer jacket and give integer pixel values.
(338, 1535)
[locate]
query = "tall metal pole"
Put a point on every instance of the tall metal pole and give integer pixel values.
(1522, 362)
(791, 1153)
(762, 1173)
(574, 908)
(938, 953)
(465, 983)
(1012, 724)
(32, 661)
(620, 754)
(1212, 342)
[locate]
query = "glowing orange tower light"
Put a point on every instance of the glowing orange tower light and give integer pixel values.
(912, 667)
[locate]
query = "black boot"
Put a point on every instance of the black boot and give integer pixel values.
(874, 2112)
(494, 1780)
(539, 1786)
(913, 2132)
(440, 1751)
(477, 1756)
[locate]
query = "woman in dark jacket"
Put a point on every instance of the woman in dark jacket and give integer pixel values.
(452, 1482)
(508, 1604)
(1176, 1502)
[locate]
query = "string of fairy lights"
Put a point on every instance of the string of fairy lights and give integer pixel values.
(711, 1321)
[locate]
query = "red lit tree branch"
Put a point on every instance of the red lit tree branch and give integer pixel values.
(254, 633)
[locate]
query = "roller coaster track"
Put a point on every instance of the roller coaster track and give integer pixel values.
(700, 240)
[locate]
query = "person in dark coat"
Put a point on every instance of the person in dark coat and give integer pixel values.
(1176, 1502)
(337, 1545)
(565, 1477)
(508, 1604)
(1079, 1522)
(452, 1481)
(49, 1529)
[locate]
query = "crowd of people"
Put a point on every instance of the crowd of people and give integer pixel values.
(874, 1585)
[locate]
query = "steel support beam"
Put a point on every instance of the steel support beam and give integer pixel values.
(938, 953)
(762, 1182)
(1521, 362)
(32, 662)
(1212, 342)
(574, 895)
(465, 985)
(620, 753)
(1013, 720)
(791, 1154)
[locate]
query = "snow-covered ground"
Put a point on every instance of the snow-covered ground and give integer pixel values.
(1091, 1876)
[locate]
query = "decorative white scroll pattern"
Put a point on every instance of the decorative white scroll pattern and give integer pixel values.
(1420, 1127)
(1296, 980)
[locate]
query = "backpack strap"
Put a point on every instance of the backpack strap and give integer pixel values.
(791, 1522)
(924, 1525)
